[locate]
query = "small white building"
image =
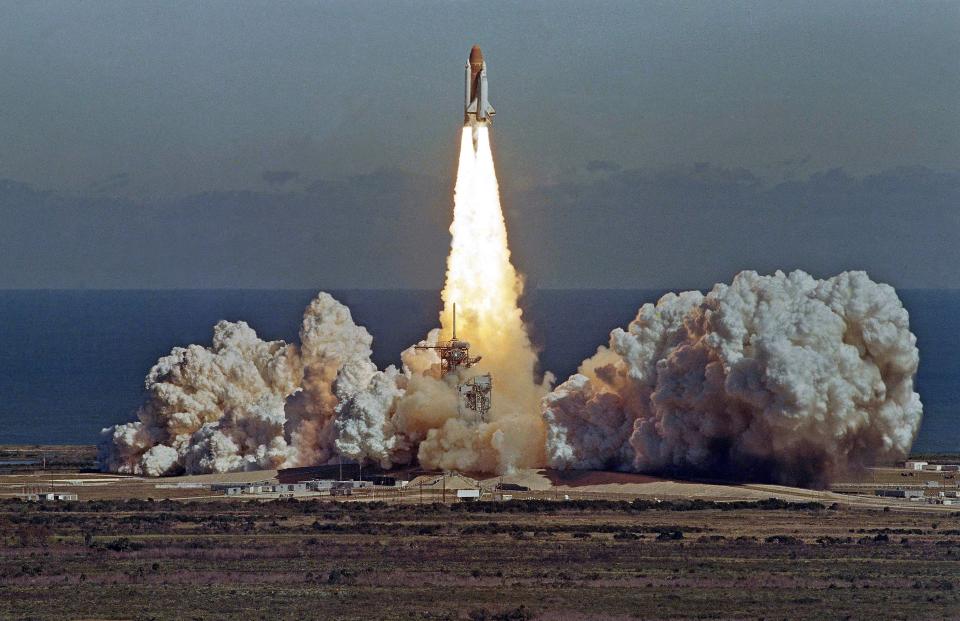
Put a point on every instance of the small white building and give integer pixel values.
(357, 484)
(933, 467)
(318, 485)
(266, 488)
(911, 494)
(914, 465)
(325, 485)
(55, 496)
(290, 488)
(468, 495)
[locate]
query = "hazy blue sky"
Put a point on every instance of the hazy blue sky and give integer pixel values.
(304, 144)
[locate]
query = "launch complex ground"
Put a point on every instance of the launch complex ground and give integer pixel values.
(575, 545)
(622, 547)
(61, 470)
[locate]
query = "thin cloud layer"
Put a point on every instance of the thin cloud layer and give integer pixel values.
(685, 226)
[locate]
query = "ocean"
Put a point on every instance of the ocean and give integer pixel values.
(73, 362)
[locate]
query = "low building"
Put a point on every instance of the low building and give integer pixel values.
(341, 488)
(933, 467)
(512, 487)
(319, 485)
(237, 485)
(899, 493)
(334, 472)
(468, 495)
(263, 487)
(914, 465)
(57, 496)
(290, 488)
(382, 480)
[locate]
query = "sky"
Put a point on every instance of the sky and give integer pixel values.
(638, 144)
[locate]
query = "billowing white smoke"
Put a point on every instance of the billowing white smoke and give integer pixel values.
(336, 362)
(243, 403)
(782, 378)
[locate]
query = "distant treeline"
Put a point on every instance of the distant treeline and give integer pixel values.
(935, 458)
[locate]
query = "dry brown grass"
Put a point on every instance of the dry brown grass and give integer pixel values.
(546, 560)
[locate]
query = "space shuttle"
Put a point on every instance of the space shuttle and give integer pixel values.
(476, 104)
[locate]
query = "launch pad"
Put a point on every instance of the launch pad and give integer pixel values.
(473, 394)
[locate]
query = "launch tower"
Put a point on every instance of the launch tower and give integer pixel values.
(475, 393)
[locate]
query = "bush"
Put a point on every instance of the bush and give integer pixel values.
(121, 544)
(517, 614)
(784, 539)
(339, 576)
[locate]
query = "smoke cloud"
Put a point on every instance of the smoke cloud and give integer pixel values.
(244, 403)
(780, 378)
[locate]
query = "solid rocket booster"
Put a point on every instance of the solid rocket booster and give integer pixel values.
(476, 103)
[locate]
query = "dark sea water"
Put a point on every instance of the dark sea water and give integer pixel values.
(72, 362)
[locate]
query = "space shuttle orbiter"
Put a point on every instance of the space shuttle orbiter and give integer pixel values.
(476, 105)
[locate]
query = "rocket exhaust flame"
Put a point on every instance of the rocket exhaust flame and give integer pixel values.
(486, 288)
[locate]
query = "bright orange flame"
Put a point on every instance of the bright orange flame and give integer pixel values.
(486, 288)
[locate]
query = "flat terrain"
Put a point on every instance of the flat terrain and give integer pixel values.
(573, 545)
(295, 559)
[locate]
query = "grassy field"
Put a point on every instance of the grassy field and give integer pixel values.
(515, 560)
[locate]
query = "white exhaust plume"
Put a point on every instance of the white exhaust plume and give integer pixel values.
(781, 378)
(335, 354)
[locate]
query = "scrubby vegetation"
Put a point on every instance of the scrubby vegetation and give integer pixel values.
(514, 560)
